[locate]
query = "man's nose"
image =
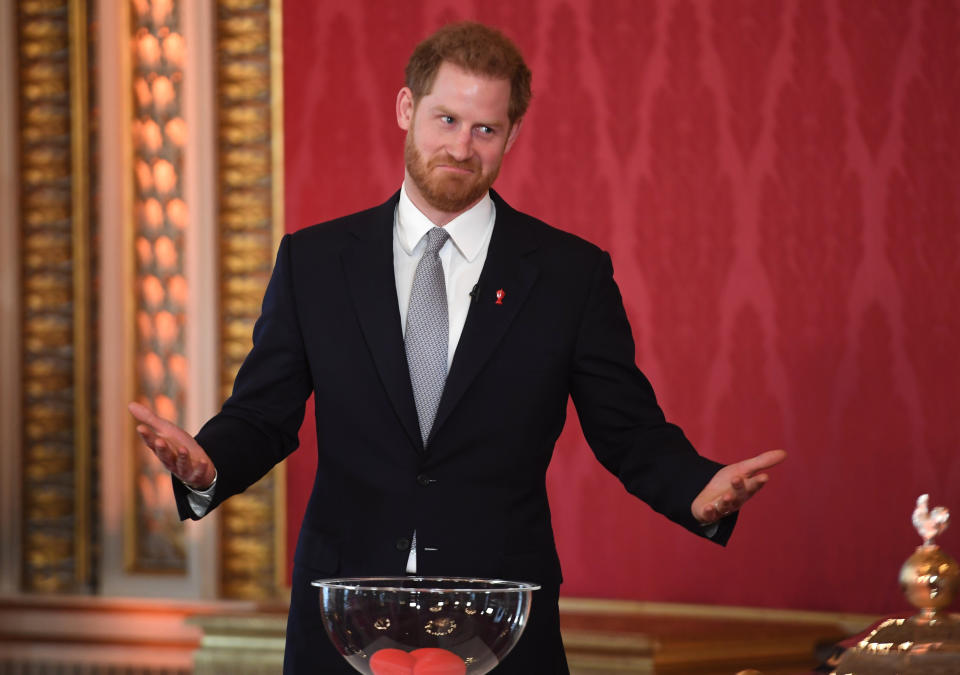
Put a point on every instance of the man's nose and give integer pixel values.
(461, 145)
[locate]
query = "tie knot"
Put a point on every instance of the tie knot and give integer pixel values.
(436, 238)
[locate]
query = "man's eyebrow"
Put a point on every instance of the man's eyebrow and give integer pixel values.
(440, 109)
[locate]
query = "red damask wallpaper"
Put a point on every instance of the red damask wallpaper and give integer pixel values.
(778, 183)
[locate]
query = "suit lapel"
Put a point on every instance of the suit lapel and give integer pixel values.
(368, 267)
(487, 321)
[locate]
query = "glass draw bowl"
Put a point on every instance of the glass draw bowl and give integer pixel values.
(424, 625)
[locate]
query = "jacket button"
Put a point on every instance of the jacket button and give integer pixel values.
(403, 544)
(425, 480)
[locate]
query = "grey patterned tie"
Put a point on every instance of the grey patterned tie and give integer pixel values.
(428, 330)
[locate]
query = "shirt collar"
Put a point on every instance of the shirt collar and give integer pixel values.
(467, 231)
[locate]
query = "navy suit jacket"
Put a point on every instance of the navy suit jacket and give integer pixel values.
(476, 493)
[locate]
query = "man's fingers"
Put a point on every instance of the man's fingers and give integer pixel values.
(165, 454)
(718, 508)
(148, 435)
(710, 514)
(174, 447)
(147, 417)
(732, 500)
(175, 457)
(153, 428)
(143, 414)
(743, 487)
(753, 484)
(734, 485)
(761, 462)
(729, 503)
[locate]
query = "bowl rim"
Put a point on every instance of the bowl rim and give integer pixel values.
(394, 584)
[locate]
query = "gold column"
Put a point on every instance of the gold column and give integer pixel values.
(160, 218)
(57, 303)
(250, 148)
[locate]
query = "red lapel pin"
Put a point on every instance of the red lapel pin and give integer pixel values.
(500, 295)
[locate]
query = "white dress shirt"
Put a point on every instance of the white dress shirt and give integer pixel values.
(462, 257)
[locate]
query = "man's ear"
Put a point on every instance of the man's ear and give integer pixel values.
(405, 107)
(512, 134)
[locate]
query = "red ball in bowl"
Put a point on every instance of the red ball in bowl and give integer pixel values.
(436, 661)
(391, 662)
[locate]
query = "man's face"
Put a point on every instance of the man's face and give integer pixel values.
(456, 138)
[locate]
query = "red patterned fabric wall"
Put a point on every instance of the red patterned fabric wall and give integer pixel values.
(779, 186)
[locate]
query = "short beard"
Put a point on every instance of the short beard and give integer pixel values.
(451, 193)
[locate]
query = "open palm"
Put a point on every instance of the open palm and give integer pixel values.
(175, 448)
(733, 485)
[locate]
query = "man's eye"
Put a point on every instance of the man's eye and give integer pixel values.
(485, 130)
(446, 119)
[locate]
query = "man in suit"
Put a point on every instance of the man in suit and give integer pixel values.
(441, 334)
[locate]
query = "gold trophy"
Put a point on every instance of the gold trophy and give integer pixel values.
(927, 643)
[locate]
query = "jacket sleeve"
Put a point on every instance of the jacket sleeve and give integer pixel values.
(258, 425)
(621, 419)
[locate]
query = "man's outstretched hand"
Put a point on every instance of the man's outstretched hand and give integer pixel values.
(175, 448)
(733, 485)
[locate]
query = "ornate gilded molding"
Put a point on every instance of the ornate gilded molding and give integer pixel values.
(250, 150)
(57, 302)
(160, 220)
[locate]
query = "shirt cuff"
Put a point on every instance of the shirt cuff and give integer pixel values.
(200, 500)
(710, 530)
(204, 493)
